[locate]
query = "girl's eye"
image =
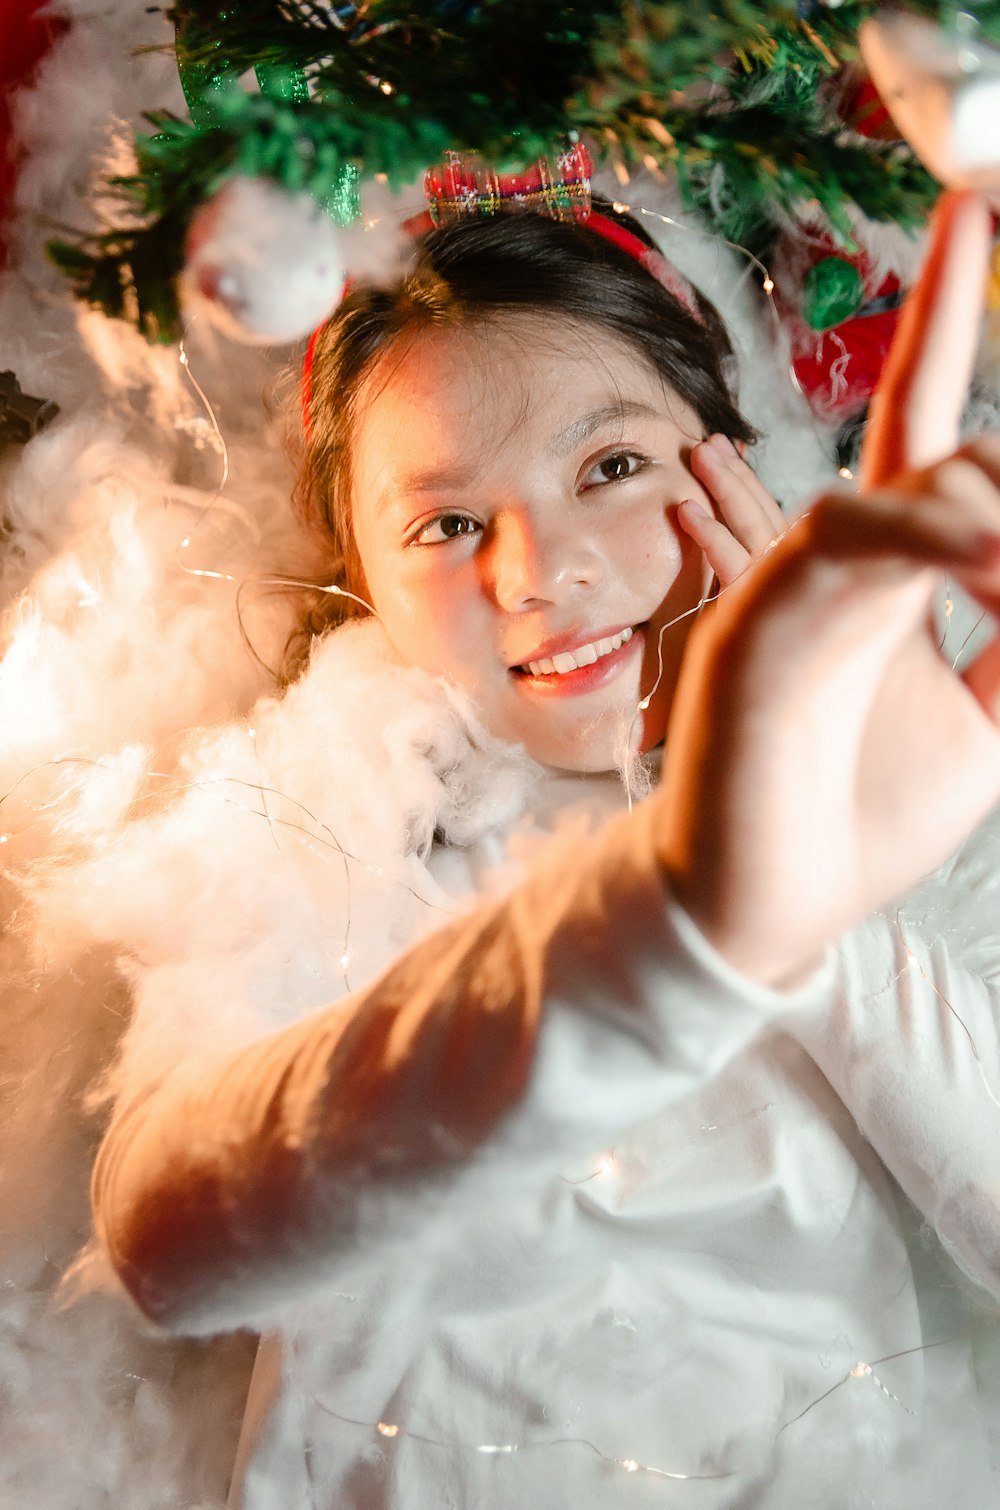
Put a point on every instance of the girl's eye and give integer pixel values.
(615, 467)
(446, 527)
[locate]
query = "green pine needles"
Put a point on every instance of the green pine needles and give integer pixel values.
(733, 96)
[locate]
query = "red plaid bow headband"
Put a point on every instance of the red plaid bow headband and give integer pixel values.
(460, 187)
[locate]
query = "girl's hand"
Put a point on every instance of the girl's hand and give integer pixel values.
(748, 519)
(823, 756)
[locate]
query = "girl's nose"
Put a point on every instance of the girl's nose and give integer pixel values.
(530, 564)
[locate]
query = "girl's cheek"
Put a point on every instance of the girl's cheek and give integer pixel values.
(665, 533)
(434, 608)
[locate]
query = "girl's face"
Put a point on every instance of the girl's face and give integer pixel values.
(514, 499)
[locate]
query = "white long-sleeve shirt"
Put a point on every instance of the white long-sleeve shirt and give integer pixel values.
(673, 1269)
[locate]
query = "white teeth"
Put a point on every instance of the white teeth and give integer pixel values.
(584, 655)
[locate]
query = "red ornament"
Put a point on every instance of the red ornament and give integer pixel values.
(838, 367)
(25, 38)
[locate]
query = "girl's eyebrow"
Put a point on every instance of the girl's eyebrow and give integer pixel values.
(450, 479)
(425, 480)
(583, 428)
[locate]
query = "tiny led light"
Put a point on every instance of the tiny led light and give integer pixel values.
(769, 285)
(386, 1429)
(846, 473)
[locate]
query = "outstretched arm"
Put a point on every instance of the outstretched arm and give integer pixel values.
(223, 1192)
(824, 755)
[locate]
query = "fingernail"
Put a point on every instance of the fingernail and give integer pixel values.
(696, 507)
(723, 446)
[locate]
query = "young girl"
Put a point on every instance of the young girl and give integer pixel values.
(607, 1180)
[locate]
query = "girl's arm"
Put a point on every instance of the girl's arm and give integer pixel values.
(833, 756)
(224, 1190)
(824, 754)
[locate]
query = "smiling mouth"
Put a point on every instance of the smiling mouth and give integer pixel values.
(573, 660)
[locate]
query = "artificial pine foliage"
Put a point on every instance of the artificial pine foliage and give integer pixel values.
(733, 95)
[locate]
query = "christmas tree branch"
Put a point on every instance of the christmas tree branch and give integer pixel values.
(735, 100)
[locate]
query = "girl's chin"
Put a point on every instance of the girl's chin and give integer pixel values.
(597, 746)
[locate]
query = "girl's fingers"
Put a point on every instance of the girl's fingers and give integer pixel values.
(948, 514)
(742, 502)
(972, 471)
(917, 406)
(949, 532)
(725, 555)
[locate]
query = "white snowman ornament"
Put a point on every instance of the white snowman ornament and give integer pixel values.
(266, 265)
(942, 88)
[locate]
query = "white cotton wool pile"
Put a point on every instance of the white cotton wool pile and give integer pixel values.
(288, 870)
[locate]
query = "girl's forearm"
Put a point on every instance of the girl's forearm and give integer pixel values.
(226, 1188)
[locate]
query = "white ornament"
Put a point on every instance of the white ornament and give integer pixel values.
(267, 265)
(943, 92)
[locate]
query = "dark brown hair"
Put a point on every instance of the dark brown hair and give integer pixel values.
(468, 273)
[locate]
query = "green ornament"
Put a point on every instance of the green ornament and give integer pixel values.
(832, 291)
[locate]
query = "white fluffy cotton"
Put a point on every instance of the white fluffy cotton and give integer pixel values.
(110, 652)
(280, 867)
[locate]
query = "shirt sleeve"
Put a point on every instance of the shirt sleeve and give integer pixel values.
(911, 1047)
(223, 1190)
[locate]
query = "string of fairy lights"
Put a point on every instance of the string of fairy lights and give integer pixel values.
(392, 1431)
(863, 1373)
(321, 835)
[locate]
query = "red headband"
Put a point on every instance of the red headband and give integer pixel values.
(460, 187)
